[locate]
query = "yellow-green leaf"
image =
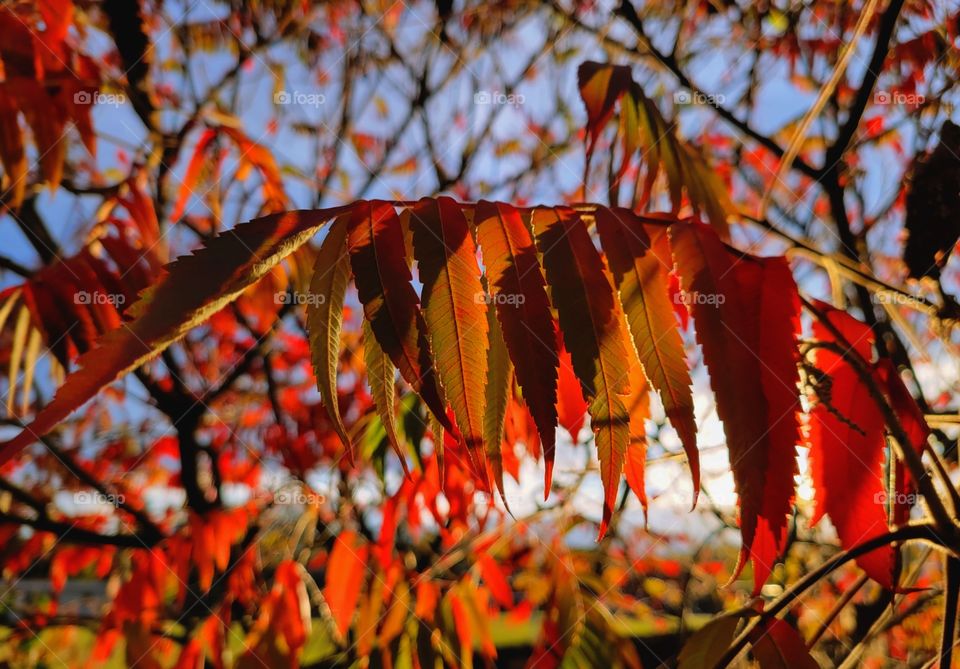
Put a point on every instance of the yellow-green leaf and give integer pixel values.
(640, 261)
(455, 313)
(328, 287)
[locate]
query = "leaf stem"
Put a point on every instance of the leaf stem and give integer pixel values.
(950, 601)
(920, 531)
(945, 523)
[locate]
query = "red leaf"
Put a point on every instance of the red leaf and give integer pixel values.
(344, 579)
(388, 531)
(494, 578)
(679, 308)
(571, 407)
(746, 313)
(291, 605)
(777, 645)
(847, 450)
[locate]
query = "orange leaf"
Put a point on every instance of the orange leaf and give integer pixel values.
(638, 404)
(456, 318)
(258, 156)
(640, 261)
(345, 571)
(428, 594)
(191, 177)
(379, 261)
(518, 289)
(601, 85)
(463, 628)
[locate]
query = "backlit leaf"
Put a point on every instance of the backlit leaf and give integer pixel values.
(517, 289)
(498, 390)
(601, 85)
(746, 313)
(195, 287)
(382, 276)
(847, 446)
(328, 287)
(455, 314)
(640, 261)
(382, 379)
(590, 321)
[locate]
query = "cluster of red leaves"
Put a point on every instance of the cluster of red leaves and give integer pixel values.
(46, 81)
(847, 440)
(745, 310)
(68, 304)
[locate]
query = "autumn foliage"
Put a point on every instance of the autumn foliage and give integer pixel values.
(284, 416)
